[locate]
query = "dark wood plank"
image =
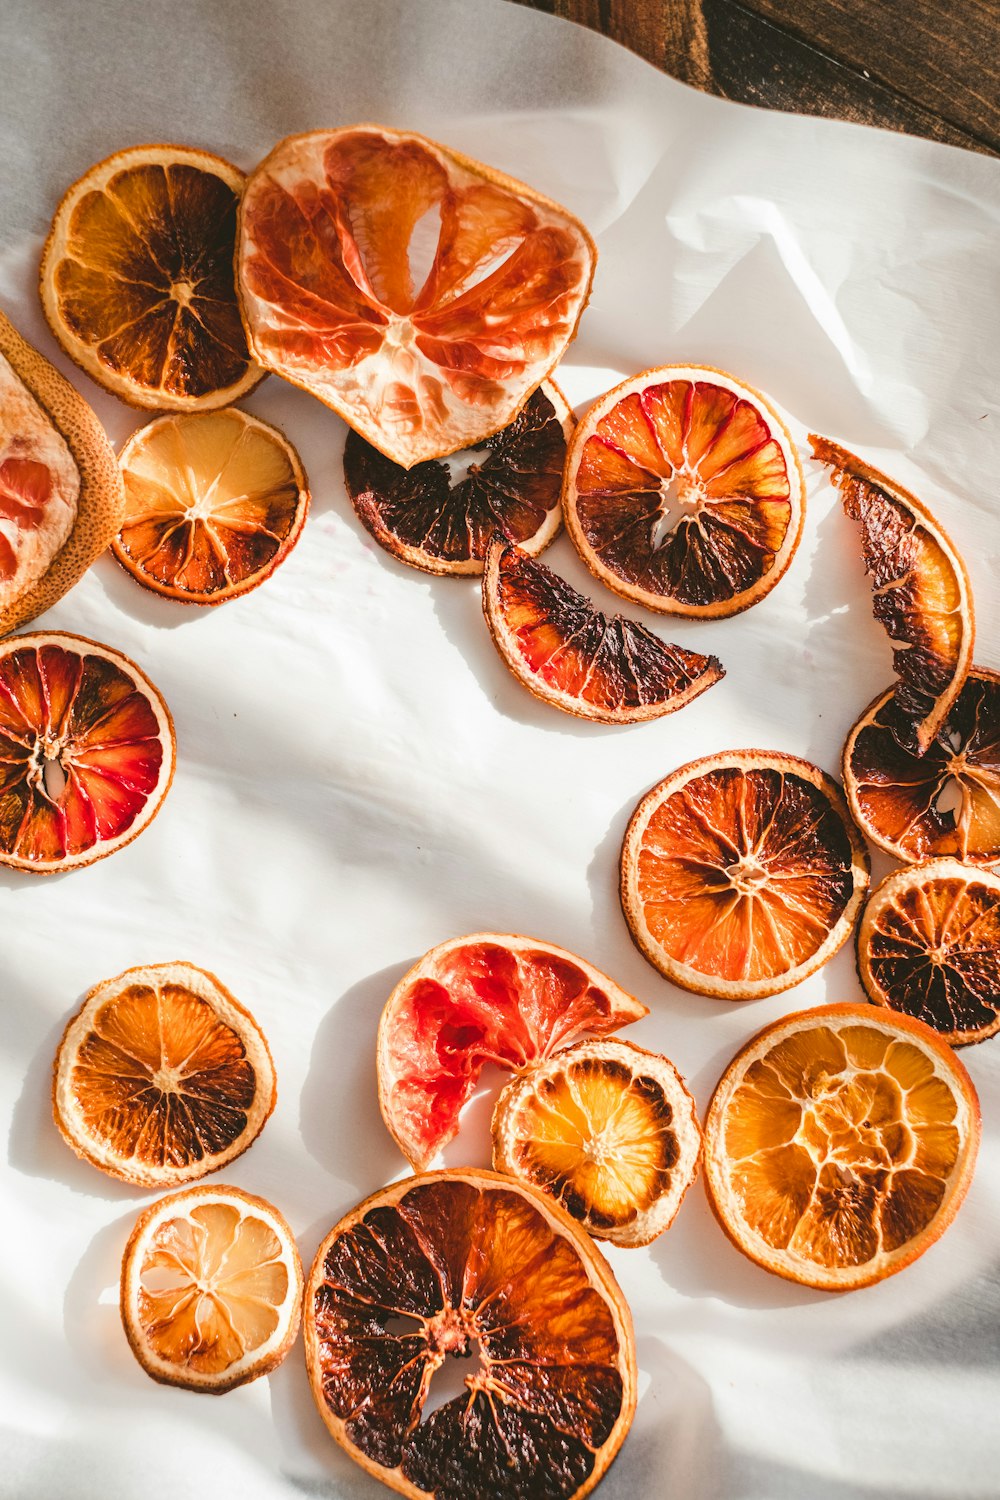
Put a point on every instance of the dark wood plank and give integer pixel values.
(668, 33)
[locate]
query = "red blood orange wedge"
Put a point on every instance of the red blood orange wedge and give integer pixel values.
(419, 293)
(490, 997)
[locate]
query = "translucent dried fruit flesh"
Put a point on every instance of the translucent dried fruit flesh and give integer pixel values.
(39, 487)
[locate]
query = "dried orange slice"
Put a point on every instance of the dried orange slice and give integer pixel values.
(478, 1267)
(839, 1145)
(567, 653)
(929, 946)
(86, 751)
(742, 873)
(162, 1076)
(419, 293)
(921, 590)
(607, 1129)
(489, 997)
(426, 517)
(137, 278)
(946, 801)
(214, 501)
(211, 1289)
(683, 491)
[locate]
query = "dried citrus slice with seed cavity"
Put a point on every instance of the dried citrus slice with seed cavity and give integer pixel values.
(742, 873)
(484, 1269)
(426, 517)
(162, 1076)
(946, 801)
(921, 590)
(607, 1129)
(929, 946)
(683, 491)
(214, 501)
(567, 653)
(490, 997)
(137, 278)
(422, 295)
(86, 751)
(839, 1145)
(211, 1289)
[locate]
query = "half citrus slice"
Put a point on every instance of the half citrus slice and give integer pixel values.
(211, 1289)
(474, 1266)
(742, 873)
(839, 1145)
(683, 491)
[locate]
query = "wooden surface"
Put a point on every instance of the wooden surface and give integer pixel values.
(929, 67)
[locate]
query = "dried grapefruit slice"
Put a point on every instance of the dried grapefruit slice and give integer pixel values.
(137, 278)
(214, 501)
(162, 1076)
(86, 751)
(489, 997)
(839, 1145)
(607, 1129)
(568, 654)
(683, 491)
(946, 801)
(460, 1263)
(419, 293)
(211, 1289)
(742, 873)
(442, 525)
(921, 590)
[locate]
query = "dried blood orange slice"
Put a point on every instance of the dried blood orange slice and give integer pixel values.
(742, 873)
(211, 1289)
(214, 501)
(568, 654)
(442, 525)
(86, 751)
(946, 801)
(419, 293)
(489, 997)
(922, 595)
(929, 946)
(683, 491)
(475, 1266)
(607, 1129)
(162, 1076)
(137, 278)
(839, 1145)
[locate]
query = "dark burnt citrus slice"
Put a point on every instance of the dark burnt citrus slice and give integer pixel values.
(922, 596)
(489, 997)
(443, 525)
(477, 1267)
(422, 295)
(569, 654)
(742, 873)
(683, 491)
(839, 1145)
(945, 801)
(86, 751)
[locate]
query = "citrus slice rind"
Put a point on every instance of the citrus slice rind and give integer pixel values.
(488, 997)
(419, 293)
(607, 1129)
(742, 873)
(684, 492)
(438, 1265)
(86, 751)
(211, 1289)
(162, 1076)
(600, 667)
(839, 1144)
(425, 518)
(928, 944)
(137, 279)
